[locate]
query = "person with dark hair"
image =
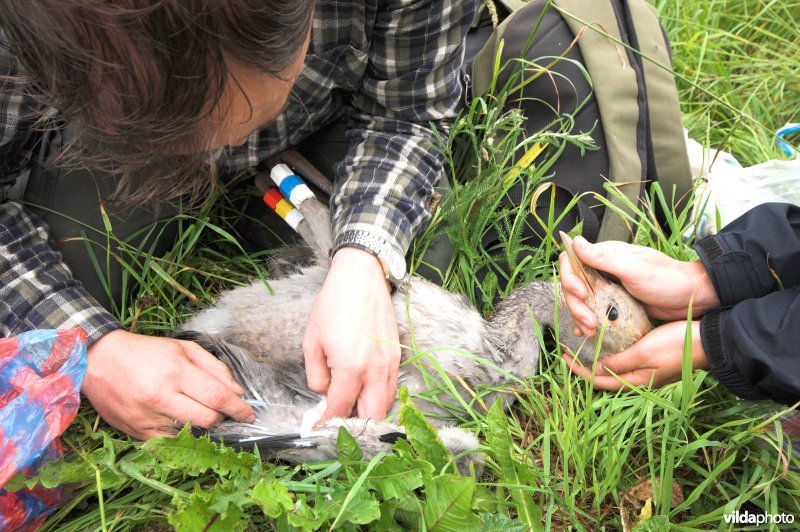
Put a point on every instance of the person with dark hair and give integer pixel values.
(745, 300)
(151, 100)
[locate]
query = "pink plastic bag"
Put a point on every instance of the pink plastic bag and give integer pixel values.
(40, 377)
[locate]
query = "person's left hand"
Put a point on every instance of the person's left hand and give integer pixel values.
(351, 345)
(656, 358)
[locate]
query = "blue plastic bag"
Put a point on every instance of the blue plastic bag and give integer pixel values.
(40, 377)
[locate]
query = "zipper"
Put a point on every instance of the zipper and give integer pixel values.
(467, 82)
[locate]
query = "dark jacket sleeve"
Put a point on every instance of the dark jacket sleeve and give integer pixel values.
(753, 342)
(756, 254)
(753, 348)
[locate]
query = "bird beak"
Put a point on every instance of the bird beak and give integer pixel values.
(590, 277)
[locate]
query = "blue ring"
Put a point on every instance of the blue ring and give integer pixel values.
(289, 183)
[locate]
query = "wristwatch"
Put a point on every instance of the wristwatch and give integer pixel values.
(392, 260)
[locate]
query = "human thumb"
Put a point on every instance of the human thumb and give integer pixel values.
(603, 256)
(587, 252)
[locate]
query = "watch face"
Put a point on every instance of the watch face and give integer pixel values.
(396, 264)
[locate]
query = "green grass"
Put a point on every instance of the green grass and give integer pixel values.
(738, 75)
(566, 454)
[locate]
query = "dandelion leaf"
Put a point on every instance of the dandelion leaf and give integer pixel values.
(195, 456)
(421, 435)
(304, 517)
(397, 477)
(497, 521)
(215, 510)
(657, 523)
(83, 470)
(347, 447)
(54, 474)
(511, 470)
(359, 508)
(272, 497)
(448, 504)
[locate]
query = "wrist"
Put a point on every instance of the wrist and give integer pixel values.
(359, 262)
(97, 353)
(390, 257)
(699, 359)
(704, 295)
(104, 342)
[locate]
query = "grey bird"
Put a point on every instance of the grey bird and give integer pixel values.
(258, 332)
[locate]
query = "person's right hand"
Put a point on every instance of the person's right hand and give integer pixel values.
(351, 345)
(664, 285)
(144, 385)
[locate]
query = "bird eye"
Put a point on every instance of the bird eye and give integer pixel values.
(612, 313)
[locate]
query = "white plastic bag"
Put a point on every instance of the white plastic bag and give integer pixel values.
(736, 191)
(733, 190)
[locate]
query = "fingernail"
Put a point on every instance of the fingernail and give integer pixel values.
(580, 243)
(236, 387)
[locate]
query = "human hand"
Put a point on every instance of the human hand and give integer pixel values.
(351, 341)
(141, 385)
(664, 285)
(657, 357)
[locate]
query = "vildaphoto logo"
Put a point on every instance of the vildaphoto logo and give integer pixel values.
(750, 518)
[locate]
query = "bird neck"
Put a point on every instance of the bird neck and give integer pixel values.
(512, 326)
(534, 300)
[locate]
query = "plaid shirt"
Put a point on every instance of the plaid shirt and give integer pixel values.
(389, 66)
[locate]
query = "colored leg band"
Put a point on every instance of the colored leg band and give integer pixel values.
(295, 189)
(275, 201)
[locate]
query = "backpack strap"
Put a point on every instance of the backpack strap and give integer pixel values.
(630, 91)
(616, 84)
(660, 155)
(670, 160)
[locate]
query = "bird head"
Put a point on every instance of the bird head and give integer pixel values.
(622, 318)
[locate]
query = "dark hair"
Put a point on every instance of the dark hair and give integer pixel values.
(137, 76)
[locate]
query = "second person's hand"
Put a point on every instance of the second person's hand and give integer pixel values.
(664, 285)
(657, 358)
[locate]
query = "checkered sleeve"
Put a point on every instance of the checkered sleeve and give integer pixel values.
(37, 290)
(411, 86)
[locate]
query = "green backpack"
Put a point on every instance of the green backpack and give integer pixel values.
(631, 104)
